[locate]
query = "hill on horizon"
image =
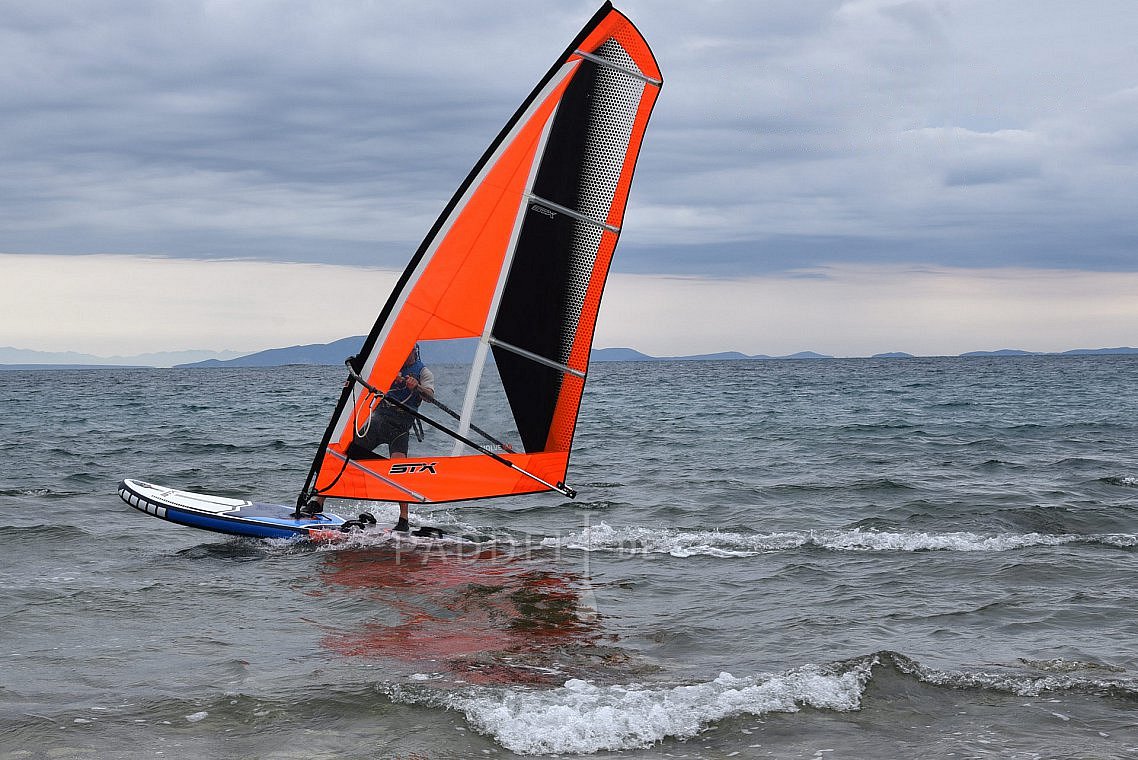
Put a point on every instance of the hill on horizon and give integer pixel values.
(455, 351)
(11, 357)
(461, 351)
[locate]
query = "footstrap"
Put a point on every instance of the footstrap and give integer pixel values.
(362, 522)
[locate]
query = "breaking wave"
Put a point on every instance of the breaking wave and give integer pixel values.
(1062, 677)
(582, 718)
(681, 543)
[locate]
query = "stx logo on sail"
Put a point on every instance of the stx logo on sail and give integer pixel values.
(410, 468)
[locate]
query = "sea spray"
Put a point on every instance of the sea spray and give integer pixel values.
(581, 717)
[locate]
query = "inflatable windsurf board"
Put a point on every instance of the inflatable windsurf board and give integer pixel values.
(237, 517)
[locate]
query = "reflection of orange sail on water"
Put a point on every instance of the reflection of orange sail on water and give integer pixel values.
(468, 614)
(516, 264)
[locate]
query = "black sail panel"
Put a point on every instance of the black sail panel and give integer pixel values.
(557, 248)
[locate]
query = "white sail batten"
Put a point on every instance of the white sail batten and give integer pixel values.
(471, 395)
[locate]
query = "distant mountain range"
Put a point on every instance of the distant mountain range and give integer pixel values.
(23, 358)
(458, 351)
(1073, 352)
(461, 351)
(313, 353)
(632, 355)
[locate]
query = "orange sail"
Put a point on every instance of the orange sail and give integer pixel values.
(501, 298)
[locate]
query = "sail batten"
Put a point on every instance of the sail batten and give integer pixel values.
(475, 379)
(477, 367)
(617, 67)
(536, 358)
(406, 491)
(570, 212)
(502, 295)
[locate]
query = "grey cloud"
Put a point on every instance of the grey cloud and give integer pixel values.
(788, 133)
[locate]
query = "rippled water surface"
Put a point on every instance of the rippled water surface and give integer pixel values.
(847, 558)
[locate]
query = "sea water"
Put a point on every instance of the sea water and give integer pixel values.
(902, 558)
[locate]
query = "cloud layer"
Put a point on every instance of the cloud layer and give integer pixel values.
(789, 134)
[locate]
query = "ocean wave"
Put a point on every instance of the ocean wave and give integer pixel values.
(41, 532)
(678, 543)
(1118, 540)
(582, 718)
(1021, 684)
(1060, 665)
(46, 493)
(460, 538)
(726, 544)
(870, 485)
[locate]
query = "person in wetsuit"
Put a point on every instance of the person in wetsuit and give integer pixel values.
(391, 425)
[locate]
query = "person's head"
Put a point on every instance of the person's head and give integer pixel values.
(412, 357)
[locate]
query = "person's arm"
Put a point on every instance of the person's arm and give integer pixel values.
(426, 385)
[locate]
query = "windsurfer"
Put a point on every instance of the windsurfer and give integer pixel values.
(391, 424)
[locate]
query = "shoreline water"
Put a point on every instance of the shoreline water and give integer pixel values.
(844, 558)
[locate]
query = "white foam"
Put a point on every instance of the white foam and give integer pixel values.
(955, 541)
(678, 543)
(195, 717)
(1061, 665)
(368, 539)
(637, 540)
(581, 718)
(1011, 682)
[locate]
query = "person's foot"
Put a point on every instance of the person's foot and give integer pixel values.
(312, 507)
(402, 526)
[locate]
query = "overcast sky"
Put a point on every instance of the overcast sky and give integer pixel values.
(848, 177)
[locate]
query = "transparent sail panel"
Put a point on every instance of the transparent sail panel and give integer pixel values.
(447, 365)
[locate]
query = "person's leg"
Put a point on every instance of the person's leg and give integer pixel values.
(398, 449)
